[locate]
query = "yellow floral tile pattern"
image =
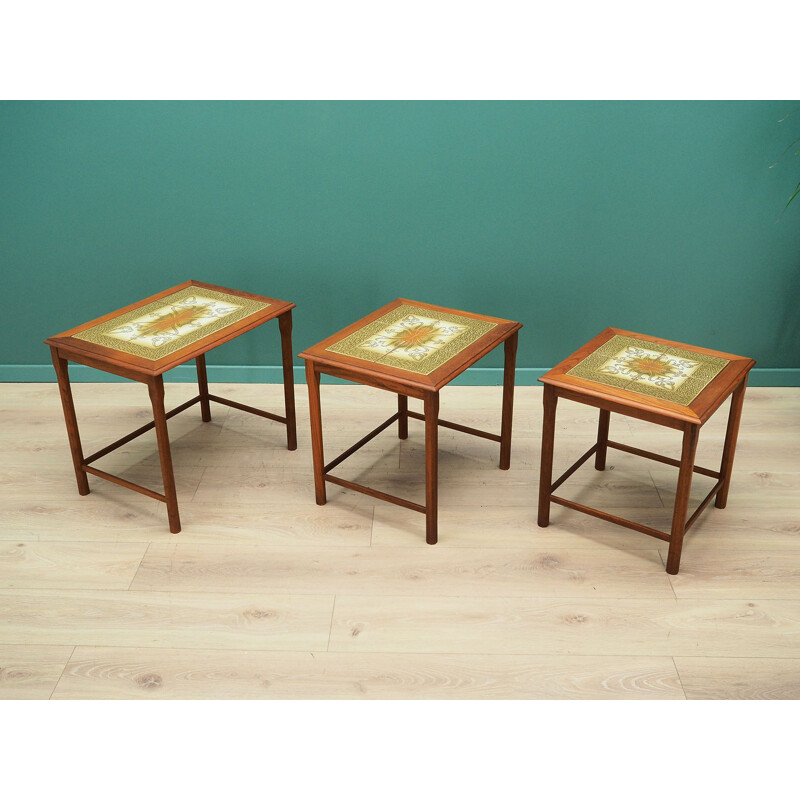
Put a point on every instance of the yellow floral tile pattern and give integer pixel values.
(160, 328)
(669, 373)
(413, 338)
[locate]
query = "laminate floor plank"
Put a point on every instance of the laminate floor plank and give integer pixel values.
(514, 527)
(504, 488)
(749, 490)
(399, 571)
(260, 621)
(743, 573)
(141, 674)
(68, 565)
(53, 482)
(228, 487)
(30, 672)
(203, 523)
(740, 678)
(585, 626)
(266, 594)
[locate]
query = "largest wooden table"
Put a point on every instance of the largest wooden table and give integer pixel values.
(413, 349)
(144, 340)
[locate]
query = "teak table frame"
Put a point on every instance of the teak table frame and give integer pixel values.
(65, 348)
(320, 360)
(732, 380)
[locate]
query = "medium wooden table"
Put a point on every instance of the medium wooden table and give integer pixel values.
(656, 380)
(144, 340)
(413, 349)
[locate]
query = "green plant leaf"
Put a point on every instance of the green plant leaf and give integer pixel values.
(796, 192)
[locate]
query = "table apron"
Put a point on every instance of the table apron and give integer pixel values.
(376, 382)
(103, 366)
(656, 417)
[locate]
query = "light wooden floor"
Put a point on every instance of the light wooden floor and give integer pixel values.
(266, 595)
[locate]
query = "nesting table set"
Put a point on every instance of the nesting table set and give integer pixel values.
(412, 349)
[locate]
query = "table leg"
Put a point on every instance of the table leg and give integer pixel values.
(548, 438)
(315, 413)
(431, 402)
(691, 434)
(729, 448)
(602, 439)
(65, 390)
(202, 385)
(402, 420)
(156, 388)
(285, 325)
(508, 399)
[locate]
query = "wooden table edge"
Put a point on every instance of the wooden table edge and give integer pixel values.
(427, 383)
(739, 367)
(66, 344)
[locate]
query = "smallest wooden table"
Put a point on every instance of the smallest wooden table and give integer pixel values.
(144, 340)
(413, 349)
(656, 380)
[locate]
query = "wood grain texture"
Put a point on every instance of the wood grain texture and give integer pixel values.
(68, 565)
(75, 520)
(30, 672)
(740, 678)
(746, 574)
(151, 673)
(244, 606)
(403, 571)
(165, 619)
(514, 527)
(749, 490)
(566, 627)
(57, 480)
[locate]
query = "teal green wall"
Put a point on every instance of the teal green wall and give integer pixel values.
(659, 217)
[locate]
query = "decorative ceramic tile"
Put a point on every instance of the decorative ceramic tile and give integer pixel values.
(412, 338)
(159, 328)
(669, 373)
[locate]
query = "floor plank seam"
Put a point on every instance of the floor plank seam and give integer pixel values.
(197, 488)
(330, 626)
(136, 571)
(680, 680)
(61, 676)
(655, 486)
(372, 526)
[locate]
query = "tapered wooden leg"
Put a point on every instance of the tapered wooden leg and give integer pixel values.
(690, 436)
(431, 467)
(65, 390)
(156, 388)
(508, 400)
(729, 448)
(402, 420)
(546, 469)
(285, 324)
(602, 439)
(315, 413)
(202, 384)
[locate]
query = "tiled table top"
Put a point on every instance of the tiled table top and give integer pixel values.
(659, 370)
(413, 341)
(169, 328)
(160, 328)
(637, 370)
